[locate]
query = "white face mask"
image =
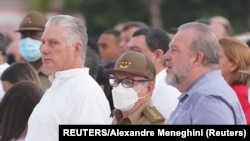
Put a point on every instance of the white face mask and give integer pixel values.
(124, 98)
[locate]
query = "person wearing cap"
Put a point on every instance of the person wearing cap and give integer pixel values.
(132, 79)
(31, 29)
(193, 68)
(234, 56)
(153, 43)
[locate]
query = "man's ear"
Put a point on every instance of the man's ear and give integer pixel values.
(159, 54)
(78, 47)
(151, 86)
(198, 58)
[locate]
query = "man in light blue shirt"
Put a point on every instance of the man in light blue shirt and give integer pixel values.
(192, 67)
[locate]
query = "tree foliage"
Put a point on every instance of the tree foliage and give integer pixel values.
(104, 14)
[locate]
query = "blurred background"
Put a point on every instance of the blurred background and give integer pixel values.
(99, 15)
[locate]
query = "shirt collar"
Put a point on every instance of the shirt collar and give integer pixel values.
(67, 73)
(160, 76)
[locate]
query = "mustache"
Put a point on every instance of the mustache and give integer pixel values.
(168, 64)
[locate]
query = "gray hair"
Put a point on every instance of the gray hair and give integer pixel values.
(205, 42)
(75, 31)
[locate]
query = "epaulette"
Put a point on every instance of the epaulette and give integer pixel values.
(153, 114)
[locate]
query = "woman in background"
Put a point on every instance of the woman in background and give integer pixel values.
(19, 71)
(235, 56)
(15, 109)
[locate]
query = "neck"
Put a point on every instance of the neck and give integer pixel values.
(194, 75)
(137, 105)
(37, 64)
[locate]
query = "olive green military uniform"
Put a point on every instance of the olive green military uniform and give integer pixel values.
(146, 114)
(44, 78)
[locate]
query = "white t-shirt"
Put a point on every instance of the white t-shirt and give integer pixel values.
(164, 97)
(3, 67)
(73, 98)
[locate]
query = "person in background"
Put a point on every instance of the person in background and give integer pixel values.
(247, 113)
(108, 44)
(92, 62)
(234, 56)
(127, 31)
(4, 41)
(12, 52)
(74, 96)
(119, 26)
(132, 79)
(193, 68)
(31, 29)
(15, 109)
(221, 26)
(101, 78)
(19, 71)
(153, 43)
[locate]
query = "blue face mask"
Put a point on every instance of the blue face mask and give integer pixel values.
(30, 49)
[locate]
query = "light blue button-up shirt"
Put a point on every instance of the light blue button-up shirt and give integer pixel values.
(210, 100)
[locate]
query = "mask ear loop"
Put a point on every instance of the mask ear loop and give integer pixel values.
(141, 89)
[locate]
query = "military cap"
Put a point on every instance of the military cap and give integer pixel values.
(135, 63)
(33, 21)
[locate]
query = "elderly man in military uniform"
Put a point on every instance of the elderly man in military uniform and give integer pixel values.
(31, 29)
(133, 80)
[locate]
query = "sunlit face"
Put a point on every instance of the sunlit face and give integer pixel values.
(6, 85)
(108, 47)
(125, 38)
(178, 58)
(226, 65)
(56, 54)
(138, 43)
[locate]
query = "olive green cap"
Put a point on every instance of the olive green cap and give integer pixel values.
(135, 63)
(33, 21)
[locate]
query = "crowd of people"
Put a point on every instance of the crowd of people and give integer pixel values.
(132, 74)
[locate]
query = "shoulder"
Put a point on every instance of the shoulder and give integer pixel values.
(42, 71)
(153, 115)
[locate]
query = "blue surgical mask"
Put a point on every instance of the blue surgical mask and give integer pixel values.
(30, 49)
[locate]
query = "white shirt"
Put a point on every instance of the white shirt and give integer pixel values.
(3, 67)
(164, 97)
(73, 98)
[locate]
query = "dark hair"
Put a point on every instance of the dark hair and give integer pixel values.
(155, 38)
(114, 32)
(92, 61)
(5, 40)
(93, 45)
(18, 71)
(16, 108)
(131, 24)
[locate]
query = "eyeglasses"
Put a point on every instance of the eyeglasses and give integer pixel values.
(127, 82)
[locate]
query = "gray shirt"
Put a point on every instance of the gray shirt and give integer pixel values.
(210, 100)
